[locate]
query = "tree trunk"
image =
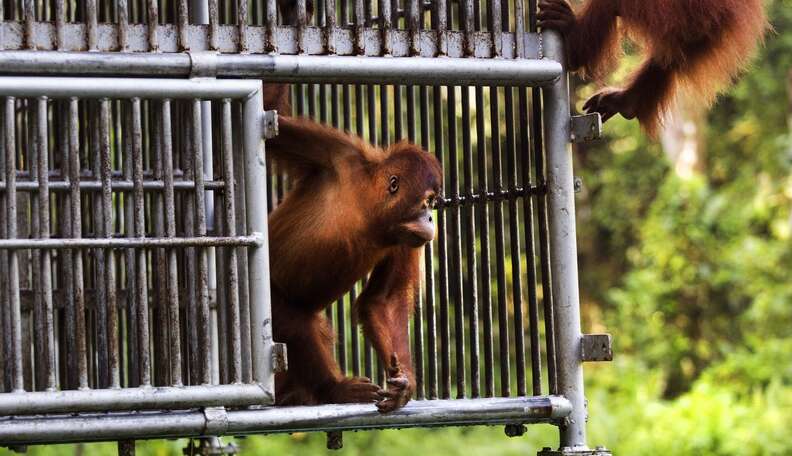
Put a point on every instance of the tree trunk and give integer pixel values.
(682, 138)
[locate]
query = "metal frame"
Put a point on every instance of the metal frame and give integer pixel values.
(261, 391)
(363, 50)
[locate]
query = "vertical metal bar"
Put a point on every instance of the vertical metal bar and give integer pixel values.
(519, 24)
(235, 343)
(214, 25)
(544, 244)
(456, 247)
(301, 23)
(240, 199)
(91, 24)
(440, 24)
(45, 285)
(76, 233)
(242, 24)
(322, 103)
(65, 272)
(335, 107)
(398, 129)
(14, 304)
(133, 360)
(486, 287)
(6, 343)
(354, 345)
(467, 10)
(30, 19)
(141, 282)
(206, 11)
(563, 247)
(360, 22)
(191, 305)
(500, 254)
(341, 354)
(181, 26)
(415, 7)
(346, 96)
(160, 262)
(152, 19)
(431, 327)
(271, 41)
(445, 328)
(470, 244)
(330, 25)
(384, 117)
(495, 26)
(170, 232)
(385, 26)
(259, 279)
(530, 250)
(200, 230)
(123, 25)
(372, 114)
(418, 316)
(111, 323)
(514, 243)
(60, 22)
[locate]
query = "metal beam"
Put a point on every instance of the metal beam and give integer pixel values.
(281, 68)
(149, 425)
(144, 398)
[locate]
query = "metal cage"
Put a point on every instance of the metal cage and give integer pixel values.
(134, 299)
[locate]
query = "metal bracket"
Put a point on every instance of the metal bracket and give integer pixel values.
(216, 421)
(280, 362)
(586, 127)
(578, 182)
(575, 451)
(515, 430)
(209, 446)
(596, 347)
(203, 64)
(269, 124)
(335, 440)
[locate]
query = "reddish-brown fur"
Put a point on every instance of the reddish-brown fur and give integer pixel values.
(340, 222)
(698, 46)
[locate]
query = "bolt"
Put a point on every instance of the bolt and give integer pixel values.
(578, 184)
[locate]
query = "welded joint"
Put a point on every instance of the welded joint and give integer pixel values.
(280, 362)
(269, 124)
(203, 64)
(259, 238)
(216, 421)
(585, 128)
(596, 347)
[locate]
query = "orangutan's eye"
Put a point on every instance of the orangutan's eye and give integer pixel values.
(393, 184)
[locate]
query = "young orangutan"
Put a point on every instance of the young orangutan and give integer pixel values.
(698, 45)
(354, 209)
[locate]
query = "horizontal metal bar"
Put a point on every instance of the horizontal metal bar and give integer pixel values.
(116, 185)
(274, 68)
(127, 243)
(196, 38)
(460, 412)
(146, 398)
(60, 87)
(499, 195)
(389, 70)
